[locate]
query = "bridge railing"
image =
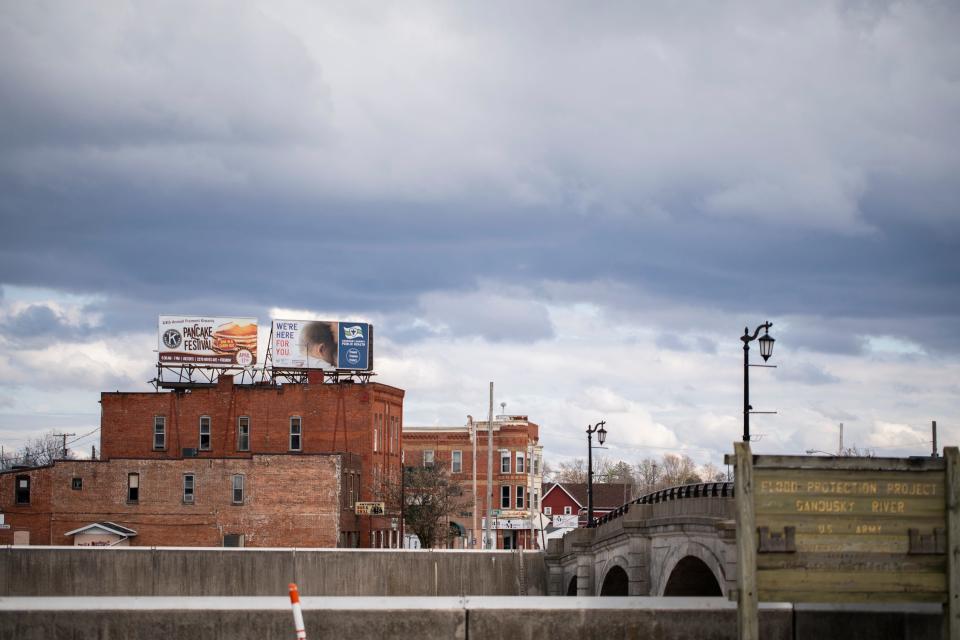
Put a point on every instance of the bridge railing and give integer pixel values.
(698, 490)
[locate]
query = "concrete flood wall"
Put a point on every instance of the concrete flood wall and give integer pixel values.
(140, 571)
(249, 618)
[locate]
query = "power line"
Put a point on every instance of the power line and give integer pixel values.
(89, 433)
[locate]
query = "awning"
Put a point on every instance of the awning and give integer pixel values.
(457, 529)
(104, 527)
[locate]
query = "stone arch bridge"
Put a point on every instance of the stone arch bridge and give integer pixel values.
(679, 541)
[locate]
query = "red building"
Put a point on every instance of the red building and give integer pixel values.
(517, 476)
(264, 437)
(563, 501)
(263, 501)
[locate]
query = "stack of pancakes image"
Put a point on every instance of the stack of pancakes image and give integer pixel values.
(230, 338)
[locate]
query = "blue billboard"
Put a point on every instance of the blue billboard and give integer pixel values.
(321, 344)
(353, 348)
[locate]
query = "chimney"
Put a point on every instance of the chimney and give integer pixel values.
(315, 376)
(224, 382)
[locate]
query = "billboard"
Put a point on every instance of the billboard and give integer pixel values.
(321, 344)
(207, 341)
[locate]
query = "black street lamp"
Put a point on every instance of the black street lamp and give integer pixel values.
(766, 350)
(601, 436)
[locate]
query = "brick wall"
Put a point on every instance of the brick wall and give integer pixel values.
(288, 501)
(33, 517)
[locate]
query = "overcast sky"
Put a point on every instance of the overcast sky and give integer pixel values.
(583, 203)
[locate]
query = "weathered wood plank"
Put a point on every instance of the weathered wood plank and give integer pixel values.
(825, 583)
(849, 463)
(850, 506)
(848, 597)
(952, 459)
(747, 623)
(863, 562)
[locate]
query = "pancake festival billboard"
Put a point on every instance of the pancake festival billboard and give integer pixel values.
(322, 344)
(207, 341)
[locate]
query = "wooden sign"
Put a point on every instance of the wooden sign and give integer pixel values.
(844, 529)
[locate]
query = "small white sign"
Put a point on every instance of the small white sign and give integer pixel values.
(565, 522)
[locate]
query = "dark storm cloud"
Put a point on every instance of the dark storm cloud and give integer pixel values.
(805, 373)
(39, 323)
(237, 165)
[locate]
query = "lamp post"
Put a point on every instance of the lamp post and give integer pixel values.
(766, 350)
(601, 436)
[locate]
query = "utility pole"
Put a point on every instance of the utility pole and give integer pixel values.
(840, 448)
(489, 530)
(64, 436)
(476, 505)
(933, 426)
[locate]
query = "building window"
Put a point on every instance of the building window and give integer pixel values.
(536, 500)
(295, 433)
(350, 499)
(456, 462)
(393, 425)
(428, 458)
(23, 490)
(519, 497)
(243, 433)
(520, 461)
(396, 433)
(77, 484)
(204, 433)
(159, 432)
(188, 483)
(548, 511)
(133, 487)
(376, 435)
(233, 539)
(504, 461)
(238, 489)
(505, 497)
(536, 465)
(568, 510)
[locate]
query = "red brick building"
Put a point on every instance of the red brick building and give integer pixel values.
(294, 448)
(517, 476)
(262, 500)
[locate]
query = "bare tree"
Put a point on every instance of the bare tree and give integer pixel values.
(712, 473)
(429, 496)
(648, 474)
(548, 472)
(38, 452)
(673, 469)
(620, 472)
(574, 471)
(855, 452)
(679, 469)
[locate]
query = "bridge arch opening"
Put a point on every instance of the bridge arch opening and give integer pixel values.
(572, 587)
(616, 583)
(692, 577)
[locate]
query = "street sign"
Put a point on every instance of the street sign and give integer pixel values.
(369, 508)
